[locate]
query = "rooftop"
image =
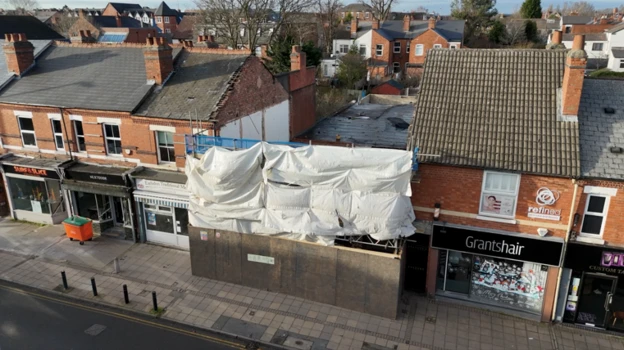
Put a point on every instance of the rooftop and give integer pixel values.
(588, 37)
(370, 125)
(5, 75)
(111, 21)
(518, 129)
(600, 131)
(577, 19)
(29, 25)
(452, 30)
(160, 175)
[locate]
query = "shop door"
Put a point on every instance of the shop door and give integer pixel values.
(595, 300)
(118, 210)
(181, 217)
(417, 255)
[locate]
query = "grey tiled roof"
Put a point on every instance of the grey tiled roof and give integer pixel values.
(588, 37)
(616, 28)
(495, 109)
(93, 78)
(196, 86)
(366, 125)
(5, 75)
(600, 131)
(577, 19)
(452, 30)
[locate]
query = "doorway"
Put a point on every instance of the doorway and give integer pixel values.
(118, 209)
(596, 296)
(417, 256)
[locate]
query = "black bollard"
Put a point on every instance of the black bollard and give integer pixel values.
(64, 280)
(155, 301)
(94, 286)
(126, 298)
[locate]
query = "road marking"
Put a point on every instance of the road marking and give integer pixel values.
(95, 329)
(126, 317)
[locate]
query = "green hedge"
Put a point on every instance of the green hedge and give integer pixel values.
(606, 73)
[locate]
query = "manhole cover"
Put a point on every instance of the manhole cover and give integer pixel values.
(430, 319)
(95, 329)
(252, 313)
(298, 343)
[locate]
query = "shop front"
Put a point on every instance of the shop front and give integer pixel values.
(593, 282)
(162, 206)
(102, 194)
(33, 189)
(499, 269)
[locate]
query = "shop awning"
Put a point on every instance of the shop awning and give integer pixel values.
(159, 199)
(87, 187)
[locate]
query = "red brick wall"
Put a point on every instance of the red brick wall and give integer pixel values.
(172, 25)
(401, 57)
(385, 89)
(83, 24)
(302, 85)
(459, 190)
(427, 39)
(387, 48)
(254, 90)
(110, 11)
(614, 225)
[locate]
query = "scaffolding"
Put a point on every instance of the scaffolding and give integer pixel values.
(199, 144)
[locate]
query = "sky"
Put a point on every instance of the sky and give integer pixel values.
(440, 6)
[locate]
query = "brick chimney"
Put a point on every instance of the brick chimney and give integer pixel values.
(158, 60)
(297, 59)
(573, 77)
(432, 23)
(354, 26)
(118, 21)
(406, 23)
(375, 23)
(556, 37)
(615, 10)
(20, 53)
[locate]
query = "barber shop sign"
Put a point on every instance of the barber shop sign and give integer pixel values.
(545, 198)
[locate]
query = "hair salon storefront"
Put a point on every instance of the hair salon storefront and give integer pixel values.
(592, 286)
(496, 268)
(33, 189)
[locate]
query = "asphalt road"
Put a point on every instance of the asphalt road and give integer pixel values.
(29, 320)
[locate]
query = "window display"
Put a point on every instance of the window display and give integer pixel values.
(159, 218)
(93, 206)
(33, 196)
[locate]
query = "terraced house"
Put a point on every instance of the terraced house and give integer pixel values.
(78, 119)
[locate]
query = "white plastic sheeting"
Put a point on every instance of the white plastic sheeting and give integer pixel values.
(312, 192)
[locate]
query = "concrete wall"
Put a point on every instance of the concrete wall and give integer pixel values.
(388, 99)
(354, 279)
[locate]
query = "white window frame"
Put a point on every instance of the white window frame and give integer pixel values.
(22, 132)
(166, 19)
(603, 215)
(396, 66)
(57, 134)
(453, 46)
(420, 50)
(395, 48)
(366, 14)
(106, 138)
(594, 45)
(621, 63)
(437, 46)
(158, 19)
(341, 48)
(160, 161)
(499, 192)
(79, 136)
(407, 47)
(379, 50)
(362, 46)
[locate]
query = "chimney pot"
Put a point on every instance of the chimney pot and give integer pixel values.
(432, 23)
(557, 37)
(354, 26)
(573, 76)
(406, 23)
(375, 24)
(297, 59)
(158, 60)
(579, 42)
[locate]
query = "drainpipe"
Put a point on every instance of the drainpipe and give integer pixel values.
(565, 246)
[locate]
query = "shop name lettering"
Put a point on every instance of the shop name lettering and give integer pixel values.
(545, 211)
(98, 177)
(612, 259)
(31, 171)
(494, 246)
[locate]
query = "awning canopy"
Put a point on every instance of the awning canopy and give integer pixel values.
(88, 187)
(160, 199)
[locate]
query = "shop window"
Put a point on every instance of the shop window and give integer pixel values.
(397, 47)
(499, 194)
(94, 206)
(159, 218)
(42, 197)
(58, 134)
(419, 49)
(27, 130)
(166, 152)
(113, 139)
(181, 216)
(379, 49)
(80, 138)
(595, 215)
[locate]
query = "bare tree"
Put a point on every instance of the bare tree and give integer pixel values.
(63, 23)
(329, 18)
(381, 8)
(221, 18)
(22, 6)
(515, 33)
(580, 8)
(289, 11)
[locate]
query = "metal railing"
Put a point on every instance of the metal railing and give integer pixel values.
(199, 144)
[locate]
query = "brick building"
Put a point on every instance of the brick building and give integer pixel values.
(94, 113)
(97, 25)
(398, 46)
(593, 261)
(166, 19)
(495, 181)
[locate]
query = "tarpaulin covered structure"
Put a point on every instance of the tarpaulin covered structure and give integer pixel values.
(311, 192)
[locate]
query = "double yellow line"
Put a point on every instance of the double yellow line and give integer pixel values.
(125, 317)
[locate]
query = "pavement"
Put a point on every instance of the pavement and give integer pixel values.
(268, 317)
(64, 325)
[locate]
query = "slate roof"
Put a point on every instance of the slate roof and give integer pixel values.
(366, 125)
(121, 7)
(186, 27)
(588, 37)
(164, 10)
(31, 26)
(577, 19)
(199, 82)
(355, 7)
(111, 21)
(5, 75)
(393, 83)
(600, 131)
(616, 28)
(495, 109)
(618, 52)
(452, 30)
(111, 79)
